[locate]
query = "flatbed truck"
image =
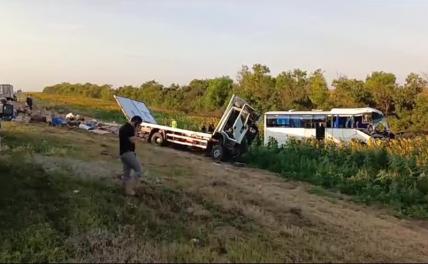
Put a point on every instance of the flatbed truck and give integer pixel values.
(233, 134)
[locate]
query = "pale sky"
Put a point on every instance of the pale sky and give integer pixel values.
(44, 42)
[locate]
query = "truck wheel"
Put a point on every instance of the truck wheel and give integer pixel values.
(217, 152)
(157, 139)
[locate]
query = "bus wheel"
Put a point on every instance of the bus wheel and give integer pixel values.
(157, 139)
(217, 152)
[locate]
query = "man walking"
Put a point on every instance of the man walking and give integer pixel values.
(128, 156)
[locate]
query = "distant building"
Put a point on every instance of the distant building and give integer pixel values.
(6, 90)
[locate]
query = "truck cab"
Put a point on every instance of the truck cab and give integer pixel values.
(235, 131)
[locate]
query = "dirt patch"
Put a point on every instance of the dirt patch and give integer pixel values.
(79, 168)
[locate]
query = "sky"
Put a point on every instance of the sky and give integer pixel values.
(44, 42)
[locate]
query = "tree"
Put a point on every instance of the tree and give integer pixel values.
(106, 92)
(218, 91)
(319, 90)
(420, 117)
(349, 93)
(383, 87)
(257, 86)
(406, 96)
(292, 90)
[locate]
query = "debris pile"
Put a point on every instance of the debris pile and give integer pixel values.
(70, 120)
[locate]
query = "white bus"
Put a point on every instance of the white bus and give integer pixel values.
(339, 125)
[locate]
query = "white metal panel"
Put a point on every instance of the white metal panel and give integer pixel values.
(132, 108)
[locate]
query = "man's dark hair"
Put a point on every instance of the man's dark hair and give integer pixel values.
(137, 119)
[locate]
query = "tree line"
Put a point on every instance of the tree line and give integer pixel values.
(405, 104)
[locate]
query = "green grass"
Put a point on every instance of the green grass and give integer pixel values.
(52, 216)
(369, 175)
(43, 219)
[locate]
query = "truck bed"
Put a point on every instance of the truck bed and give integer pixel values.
(186, 132)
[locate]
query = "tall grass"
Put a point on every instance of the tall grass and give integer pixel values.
(394, 173)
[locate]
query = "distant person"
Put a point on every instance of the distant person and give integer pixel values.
(174, 124)
(30, 102)
(204, 128)
(127, 138)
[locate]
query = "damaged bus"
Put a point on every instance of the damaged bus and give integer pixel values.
(338, 125)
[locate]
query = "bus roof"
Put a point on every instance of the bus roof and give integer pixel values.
(334, 111)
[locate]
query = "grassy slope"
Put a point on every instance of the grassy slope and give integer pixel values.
(51, 215)
(60, 201)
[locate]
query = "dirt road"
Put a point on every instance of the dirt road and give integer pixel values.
(247, 208)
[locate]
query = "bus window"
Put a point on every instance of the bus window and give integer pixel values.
(278, 121)
(349, 122)
(307, 121)
(342, 121)
(319, 119)
(358, 122)
(295, 121)
(271, 121)
(283, 121)
(376, 116)
(367, 118)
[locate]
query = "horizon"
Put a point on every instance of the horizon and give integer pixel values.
(132, 42)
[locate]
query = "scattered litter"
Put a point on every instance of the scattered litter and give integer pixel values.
(70, 120)
(86, 127)
(70, 116)
(58, 121)
(76, 191)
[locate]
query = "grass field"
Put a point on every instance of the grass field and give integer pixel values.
(394, 173)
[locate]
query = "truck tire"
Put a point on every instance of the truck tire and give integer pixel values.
(217, 152)
(157, 139)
